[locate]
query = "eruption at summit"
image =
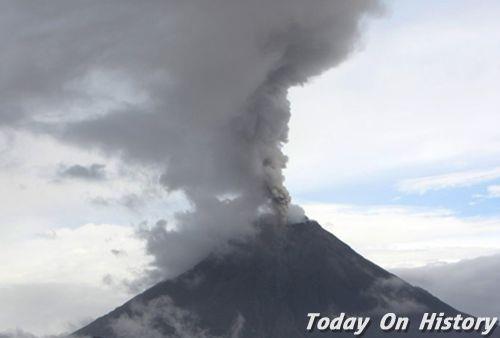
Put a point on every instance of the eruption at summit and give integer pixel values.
(206, 108)
(267, 286)
(211, 108)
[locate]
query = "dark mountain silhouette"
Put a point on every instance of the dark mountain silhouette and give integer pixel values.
(265, 287)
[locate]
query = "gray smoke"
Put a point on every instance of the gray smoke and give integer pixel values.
(196, 87)
(93, 172)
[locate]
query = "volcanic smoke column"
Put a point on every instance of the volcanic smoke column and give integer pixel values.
(299, 41)
(211, 79)
(266, 47)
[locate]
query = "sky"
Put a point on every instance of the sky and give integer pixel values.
(396, 151)
(409, 135)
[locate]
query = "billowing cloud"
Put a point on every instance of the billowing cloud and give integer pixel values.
(212, 82)
(469, 285)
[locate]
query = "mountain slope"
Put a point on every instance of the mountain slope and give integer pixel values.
(265, 287)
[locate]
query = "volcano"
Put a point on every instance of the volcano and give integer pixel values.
(266, 286)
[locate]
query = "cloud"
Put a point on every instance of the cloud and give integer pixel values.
(83, 254)
(53, 308)
(93, 172)
(403, 236)
(118, 252)
(181, 323)
(423, 185)
(176, 251)
(22, 334)
(131, 201)
(212, 111)
(31, 173)
(16, 334)
(420, 99)
(92, 254)
(494, 191)
(470, 285)
(140, 323)
(391, 295)
(81, 273)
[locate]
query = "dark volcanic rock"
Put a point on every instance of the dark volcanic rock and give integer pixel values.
(266, 286)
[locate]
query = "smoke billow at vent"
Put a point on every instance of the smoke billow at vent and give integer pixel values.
(209, 105)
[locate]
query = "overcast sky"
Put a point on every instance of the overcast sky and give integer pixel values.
(396, 151)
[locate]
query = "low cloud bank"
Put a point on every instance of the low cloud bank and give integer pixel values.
(469, 285)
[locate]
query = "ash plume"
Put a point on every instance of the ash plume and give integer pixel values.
(210, 82)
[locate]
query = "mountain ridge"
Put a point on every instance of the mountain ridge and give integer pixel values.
(265, 286)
